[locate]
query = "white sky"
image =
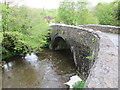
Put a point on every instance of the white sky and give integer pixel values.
(54, 4)
(95, 2)
(47, 4)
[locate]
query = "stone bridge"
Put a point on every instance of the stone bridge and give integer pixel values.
(95, 56)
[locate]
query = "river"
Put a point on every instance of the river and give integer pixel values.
(46, 69)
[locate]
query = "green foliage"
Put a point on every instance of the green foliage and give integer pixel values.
(66, 12)
(93, 39)
(90, 57)
(107, 13)
(24, 29)
(7, 53)
(76, 13)
(79, 85)
(51, 13)
(84, 16)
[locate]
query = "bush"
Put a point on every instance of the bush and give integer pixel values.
(24, 29)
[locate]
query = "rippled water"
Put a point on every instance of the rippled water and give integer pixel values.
(46, 69)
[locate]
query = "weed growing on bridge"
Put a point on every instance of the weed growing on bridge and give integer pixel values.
(90, 57)
(93, 39)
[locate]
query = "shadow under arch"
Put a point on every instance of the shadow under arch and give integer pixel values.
(80, 54)
(60, 44)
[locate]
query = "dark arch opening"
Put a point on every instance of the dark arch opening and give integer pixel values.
(64, 49)
(60, 44)
(80, 53)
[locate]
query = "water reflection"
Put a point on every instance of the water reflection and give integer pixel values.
(31, 57)
(8, 65)
(47, 69)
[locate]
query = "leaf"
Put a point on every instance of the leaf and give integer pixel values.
(62, 32)
(93, 39)
(90, 57)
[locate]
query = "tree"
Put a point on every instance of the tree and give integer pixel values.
(76, 13)
(116, 10)
(24, 29)
(108, 13)
(84, 16)
(66, 12)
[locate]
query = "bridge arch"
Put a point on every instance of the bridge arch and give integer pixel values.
(60, 43)
(99, 49)
(82, 43)
(79, 54)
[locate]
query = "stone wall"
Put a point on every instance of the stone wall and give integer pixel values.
(84, 45)
(103, 28)
(102, 70)
(104, 73)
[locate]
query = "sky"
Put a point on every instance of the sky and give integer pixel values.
(95, 2)
(47, 4)
(54, 4)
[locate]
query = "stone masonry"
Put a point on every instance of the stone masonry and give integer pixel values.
(94, 54)
(103, 28)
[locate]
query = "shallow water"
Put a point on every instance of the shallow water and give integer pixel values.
(46, 69)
